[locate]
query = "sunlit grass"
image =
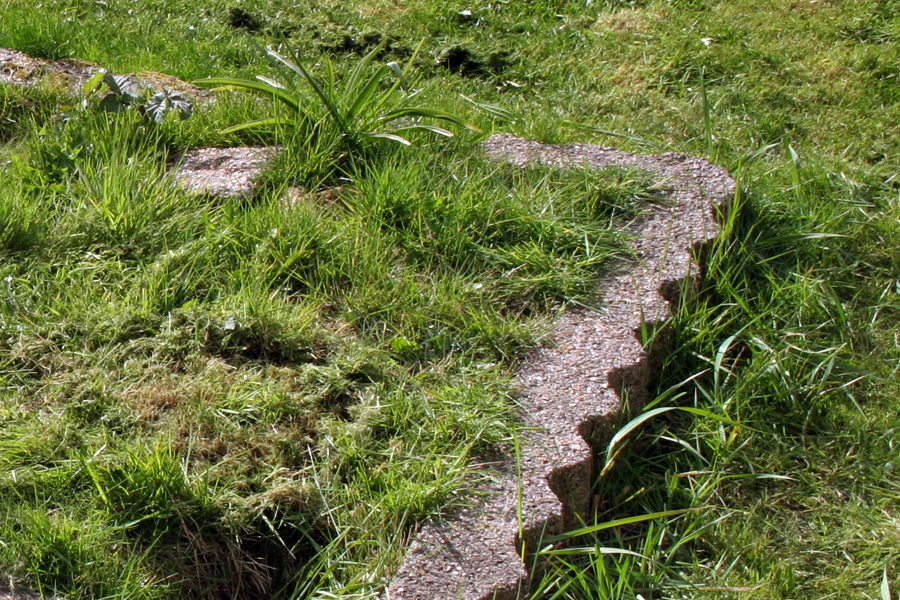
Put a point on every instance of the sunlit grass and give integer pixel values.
(234, 393)
(241, 397)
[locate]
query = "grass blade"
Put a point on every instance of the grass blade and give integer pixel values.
(262, 87)
(491, 109)
(429, 113)
(398, 73)
(323, 96)
(707, 121)
(616, 523)
(254, 124)
(390, 136)
(648, 142)
(356, 76)
(431, 128)
(366, 93)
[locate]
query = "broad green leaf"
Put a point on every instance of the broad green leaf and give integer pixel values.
(286, 62)
(398, 73)
(163, 102)
(112, 103)
(431, 128)
(91, 85)
(353, 82)
(708, 415)
(281, 94)
(272, 82)
(390, 136)
(644, 417)
(121, 85)
(326, 100)
(431, 113)
(631, 426)
(257, 123)
(366, 93)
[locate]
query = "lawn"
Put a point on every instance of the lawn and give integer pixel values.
(256, 397)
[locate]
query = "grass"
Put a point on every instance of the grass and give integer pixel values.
(217, 387)
(787, 341)
(234, 398)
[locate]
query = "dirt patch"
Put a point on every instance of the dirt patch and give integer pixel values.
(462, 61)
(241, 19)
(630, 20)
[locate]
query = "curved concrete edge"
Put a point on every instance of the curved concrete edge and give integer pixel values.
(10, 594)
(572, 390)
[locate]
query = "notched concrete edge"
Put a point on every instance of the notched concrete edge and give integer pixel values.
(572, 390)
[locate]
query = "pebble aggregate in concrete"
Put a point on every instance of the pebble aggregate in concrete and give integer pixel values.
(222, 172)
(571, 390)
(9, 594)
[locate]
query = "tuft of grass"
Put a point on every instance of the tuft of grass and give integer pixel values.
(788, 453)
(49, 36)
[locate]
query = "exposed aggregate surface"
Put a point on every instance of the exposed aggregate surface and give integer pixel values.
(71, 75)
(222, 172)
(573, 388)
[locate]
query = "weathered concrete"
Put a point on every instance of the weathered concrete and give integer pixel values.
(69, 75)
(222, 172)
(572, 390)
(12, 594)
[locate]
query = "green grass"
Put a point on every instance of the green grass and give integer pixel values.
(234, 393)
(244, 398)
(796, 501)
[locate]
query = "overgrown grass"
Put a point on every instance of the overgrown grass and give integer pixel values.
(208, 398)
(785, 347)
(257, 396)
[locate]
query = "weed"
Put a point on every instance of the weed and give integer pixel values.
(358, 112)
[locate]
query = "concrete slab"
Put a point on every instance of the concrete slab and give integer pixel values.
(572, 389)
